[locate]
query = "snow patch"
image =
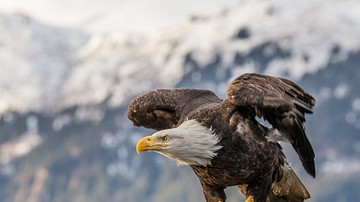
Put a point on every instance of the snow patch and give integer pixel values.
(356, 104)
(341, 91)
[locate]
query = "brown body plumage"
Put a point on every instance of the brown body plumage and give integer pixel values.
(247, 158)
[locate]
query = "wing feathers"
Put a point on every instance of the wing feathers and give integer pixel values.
(163, 108)
(283, 104)
(155, 109)
(293, 127)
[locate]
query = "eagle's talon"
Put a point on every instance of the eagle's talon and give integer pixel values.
(250, 199)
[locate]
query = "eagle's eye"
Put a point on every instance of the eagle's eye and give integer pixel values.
(164, 138)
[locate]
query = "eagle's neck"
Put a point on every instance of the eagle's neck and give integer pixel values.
(195, 144)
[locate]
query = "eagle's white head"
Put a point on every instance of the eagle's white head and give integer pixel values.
(188, 144)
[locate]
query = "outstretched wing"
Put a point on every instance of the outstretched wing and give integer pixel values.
(164, 108)
(283, 104)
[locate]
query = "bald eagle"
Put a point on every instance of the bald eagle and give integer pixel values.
(223, 140)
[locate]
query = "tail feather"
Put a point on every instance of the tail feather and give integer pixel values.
(289, 188)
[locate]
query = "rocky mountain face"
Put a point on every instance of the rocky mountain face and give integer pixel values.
(64, 133)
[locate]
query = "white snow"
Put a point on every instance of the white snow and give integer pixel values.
(341, 90)
(356, 104)
(47, 68)
(34, 62)
(106, 16)
(61, 121)
(18, 147)
(342, 166)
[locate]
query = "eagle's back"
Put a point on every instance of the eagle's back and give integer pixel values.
(246, 155)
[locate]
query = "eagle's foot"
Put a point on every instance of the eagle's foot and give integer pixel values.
(250, 199)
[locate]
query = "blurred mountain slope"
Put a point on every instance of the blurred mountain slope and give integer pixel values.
(71, 89)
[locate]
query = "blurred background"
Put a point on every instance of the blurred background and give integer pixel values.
(69, 68)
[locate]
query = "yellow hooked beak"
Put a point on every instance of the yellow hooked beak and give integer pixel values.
(147, 143)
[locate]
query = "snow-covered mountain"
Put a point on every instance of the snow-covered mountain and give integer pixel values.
(38, 60)
(35, 62)
(74, 86)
